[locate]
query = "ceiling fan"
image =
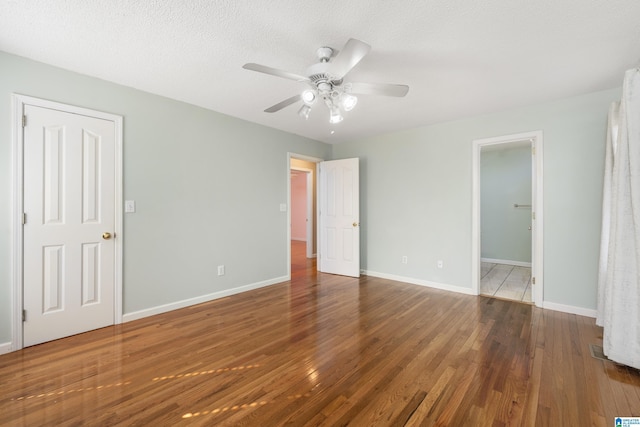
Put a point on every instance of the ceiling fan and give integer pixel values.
(326, 81)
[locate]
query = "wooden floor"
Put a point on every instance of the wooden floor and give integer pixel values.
(325, 350)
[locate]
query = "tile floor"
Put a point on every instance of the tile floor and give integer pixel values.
(506, 281)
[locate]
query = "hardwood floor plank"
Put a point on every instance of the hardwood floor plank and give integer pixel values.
(532, 396)
(325, 350)
(456, 394)
(434, 394)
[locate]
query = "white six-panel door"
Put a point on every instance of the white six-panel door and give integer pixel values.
(69, 205)
(340, 217)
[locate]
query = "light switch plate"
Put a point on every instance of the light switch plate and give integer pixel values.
(130, 206)
(283, 207)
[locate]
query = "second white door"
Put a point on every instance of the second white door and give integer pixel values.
(340, 217)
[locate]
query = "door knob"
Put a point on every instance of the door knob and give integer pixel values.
(355, 224)
(529, 228)
(106, 235)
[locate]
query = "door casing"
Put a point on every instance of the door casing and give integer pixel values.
(18, 104)
(537, 270)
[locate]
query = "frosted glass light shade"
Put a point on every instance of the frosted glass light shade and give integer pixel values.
(349, 101)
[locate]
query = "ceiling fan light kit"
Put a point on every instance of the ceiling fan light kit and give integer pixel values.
(335, 116)
(348, 101)
(326, 79)
(304, 111)
(309, 97)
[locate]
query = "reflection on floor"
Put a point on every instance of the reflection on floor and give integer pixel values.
(506, 281)
(300, 264)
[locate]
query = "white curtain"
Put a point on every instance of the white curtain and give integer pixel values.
(619, 275)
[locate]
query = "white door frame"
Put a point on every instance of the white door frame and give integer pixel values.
(537, 237)
(18, 104)
(315, 160)
(308, 208)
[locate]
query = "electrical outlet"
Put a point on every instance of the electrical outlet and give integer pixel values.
(440, 264)
(221, 270)
(404, 259)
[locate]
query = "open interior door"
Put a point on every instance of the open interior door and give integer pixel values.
(340, 217)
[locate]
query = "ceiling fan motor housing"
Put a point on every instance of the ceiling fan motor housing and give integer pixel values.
(324, 53)
(319, 77)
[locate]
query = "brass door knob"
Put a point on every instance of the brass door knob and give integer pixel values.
(355, 224)
(106, 235)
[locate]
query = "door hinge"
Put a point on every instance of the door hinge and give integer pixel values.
(24, 315)
(24, 218)
(533, 150)
(533, 215)
(24, 121)
(533, 280)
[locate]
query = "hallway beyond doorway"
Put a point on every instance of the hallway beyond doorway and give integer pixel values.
(299, 261)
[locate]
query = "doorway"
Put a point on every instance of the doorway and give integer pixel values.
(507, 217)
(68, 221)
(336, 238)
(302, 217)
(505, 220)
(302, 200)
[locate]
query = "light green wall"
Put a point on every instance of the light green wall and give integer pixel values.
(416, 195)
(207, 188)
(505, 180)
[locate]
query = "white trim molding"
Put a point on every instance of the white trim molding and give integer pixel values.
(506, 262)
(420, 282)
(18, 105)
(571, 309)
(140, 314)
(547, 305)
(6, 347)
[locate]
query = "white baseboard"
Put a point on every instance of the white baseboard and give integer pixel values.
(506, 261)
(140, 314)
(5, 347)
(411, 280)
(587, 312)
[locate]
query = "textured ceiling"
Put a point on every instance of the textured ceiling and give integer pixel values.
(459, 57)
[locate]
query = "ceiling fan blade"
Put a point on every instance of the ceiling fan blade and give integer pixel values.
(348, 58)
(383, 89)
(274, 72)
(280, 105)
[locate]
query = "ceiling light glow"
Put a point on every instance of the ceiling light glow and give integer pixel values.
(348, 101)
(309, 97)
